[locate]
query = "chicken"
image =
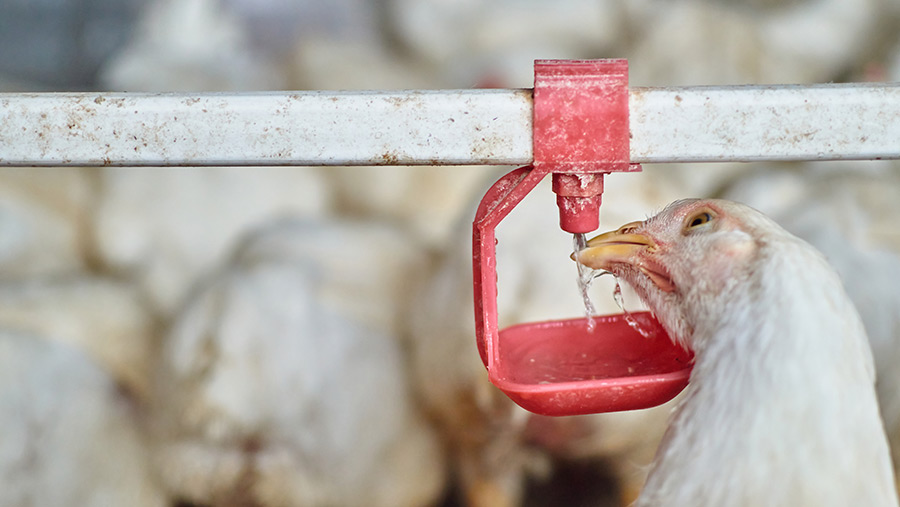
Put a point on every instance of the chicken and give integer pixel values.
(781, 406)
(44, 215)
(103, 318)
(847, 210)
(756, 41)
(192, 45)
(70, 437)
(283, 382)
(164, 251)
(466, 42)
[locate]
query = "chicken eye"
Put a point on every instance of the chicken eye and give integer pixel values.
(699, 219)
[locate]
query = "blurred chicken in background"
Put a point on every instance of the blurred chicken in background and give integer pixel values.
(217, 335)
(69, 433)
(282, 382)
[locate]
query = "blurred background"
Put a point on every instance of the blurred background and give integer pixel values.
(304, 336)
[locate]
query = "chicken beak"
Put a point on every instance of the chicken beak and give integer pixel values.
(623, 246)
(614, 247)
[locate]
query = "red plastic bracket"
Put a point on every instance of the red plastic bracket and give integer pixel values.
(581, 133)
(562, 367)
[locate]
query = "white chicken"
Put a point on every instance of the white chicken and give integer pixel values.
(104, 318)
(711, 42)
(781, 407)
(190, 45)
(70, 436)
(206, 209)
(43, 214)
(847, 210)
(282, 382)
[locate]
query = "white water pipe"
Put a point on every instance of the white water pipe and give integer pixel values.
(436, 127)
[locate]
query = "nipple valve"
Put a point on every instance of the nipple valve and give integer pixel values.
(578, 198)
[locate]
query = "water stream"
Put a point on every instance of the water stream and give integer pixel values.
(586, 276)
(620, 302)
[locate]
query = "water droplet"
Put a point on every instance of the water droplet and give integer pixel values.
(617, 296)
(620, 302)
